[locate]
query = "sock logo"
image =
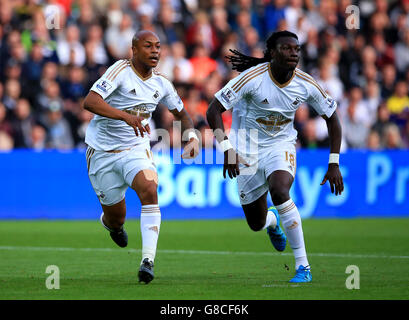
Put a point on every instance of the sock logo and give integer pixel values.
(154, 228)
(293, 225)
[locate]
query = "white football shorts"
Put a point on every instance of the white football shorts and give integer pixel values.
(252, 182)
(112, 173)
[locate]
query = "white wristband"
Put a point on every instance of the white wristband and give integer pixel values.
(226, 145)
(144, 122)
(193, 135)
(334, 158)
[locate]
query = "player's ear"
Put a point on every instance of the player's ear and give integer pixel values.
(272, 54)
(134, 50)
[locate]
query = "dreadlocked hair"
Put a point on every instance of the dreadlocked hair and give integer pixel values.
(241, 62)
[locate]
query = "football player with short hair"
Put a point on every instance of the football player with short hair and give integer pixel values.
(118, 154)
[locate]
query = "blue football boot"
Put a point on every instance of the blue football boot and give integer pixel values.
(277, 236)
(303, 274)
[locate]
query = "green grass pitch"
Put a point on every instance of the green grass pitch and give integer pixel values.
(204, 259)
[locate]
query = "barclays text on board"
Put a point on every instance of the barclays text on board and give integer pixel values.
(55, 185)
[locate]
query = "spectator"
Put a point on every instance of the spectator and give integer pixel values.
(34, 64)
(12, 93)
(38, 137)
(202, 64)
(392, 138)
(201, 33)
(372, 100)
(355, 130)
(166, 25)
(5, 126)
(399, 101)
(50, 97)
(22, 123)
(388, 80)
(95, 44)
(73, 88)
(58, 130)
(329, 82)
(182, 68)
(402, 52)
(273, 14)
(70, 50)
(119, 38)
(382, 120)
(374, 141)
(221, 26)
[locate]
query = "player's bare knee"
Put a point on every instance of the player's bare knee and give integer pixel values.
(279, 194)
(149, 194)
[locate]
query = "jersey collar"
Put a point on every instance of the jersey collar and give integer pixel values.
(138, 74)
(280, 85)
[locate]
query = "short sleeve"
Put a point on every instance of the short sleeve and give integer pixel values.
(236, 88)
(110, 80)
(171, 98)
(322, 103)
(227, 96)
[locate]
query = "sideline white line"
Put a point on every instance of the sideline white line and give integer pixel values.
(331, 255)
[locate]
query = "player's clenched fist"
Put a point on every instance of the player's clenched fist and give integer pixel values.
(231, 163)
(191, 149)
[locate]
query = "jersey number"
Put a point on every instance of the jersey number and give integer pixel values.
(290, 157)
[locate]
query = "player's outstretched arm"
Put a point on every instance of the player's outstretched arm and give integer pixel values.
(94, 103)
(333, 174)
(191, 149)
(231, 158)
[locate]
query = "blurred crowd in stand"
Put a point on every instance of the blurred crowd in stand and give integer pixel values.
(51, 52)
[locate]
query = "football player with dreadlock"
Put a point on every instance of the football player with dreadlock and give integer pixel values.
(260, 150)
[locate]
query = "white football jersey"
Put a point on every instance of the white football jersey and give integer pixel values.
(122, 87)
(265, 109)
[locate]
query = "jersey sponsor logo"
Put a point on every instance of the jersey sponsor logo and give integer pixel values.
(104, 86)
(227, 95)
(273, 122)
(141, 110)
(156, 95)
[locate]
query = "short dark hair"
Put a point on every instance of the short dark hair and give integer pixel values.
(241, 62)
